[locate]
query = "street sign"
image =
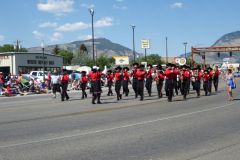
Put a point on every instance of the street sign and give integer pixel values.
(145, 43)
(121, 60)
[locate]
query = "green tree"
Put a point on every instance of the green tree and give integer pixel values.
(7, 48)
(83, 50)
(151, 59)
(81, 57)
(10, 48)
(67, 56)
(56, 50)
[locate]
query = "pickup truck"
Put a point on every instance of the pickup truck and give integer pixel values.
(38, 74)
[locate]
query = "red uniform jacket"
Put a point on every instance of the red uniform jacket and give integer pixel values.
(140, 75)
(187, 74)
(134, 71)
(126, 76)
(160, 76)
(118, 76)
(217, 73)
(110, 77)
(206, 77)
(149, 73)
(93, 76)
(84, 79)
(169, 74)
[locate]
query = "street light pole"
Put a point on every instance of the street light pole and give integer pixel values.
(133, 29)
(166, 50)
(43, 60)
(185, 45)
(91, 10)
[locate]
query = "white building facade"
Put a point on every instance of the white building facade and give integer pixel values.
(24, 62)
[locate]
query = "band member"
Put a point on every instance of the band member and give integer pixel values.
(83, 82)
(197, 76)
(210, 72)
(64, 85)
(100, 82)
(95, 88)
(109, 77)
(206, 82)
(159, 78)
(118, 82)
(149, 79)
(169, 82)
(141, 73)
(176, 78)
(126, 80)
(135, 81)
(216, 78)
(186, 81)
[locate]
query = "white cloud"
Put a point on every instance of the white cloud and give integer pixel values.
(86, 37)
(38, 35)
(87, 5)
(104, 22)
(58, 7)
(119, 7)
(119, 0)
(69, 27)
(177, 5)
(48, 25)
(2, 38)
(56, 36)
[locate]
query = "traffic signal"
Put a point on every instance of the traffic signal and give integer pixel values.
(218, 54)
(230, 54)
(203, 56)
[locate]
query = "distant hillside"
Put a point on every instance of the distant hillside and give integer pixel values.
(230, 39)
(103, 46)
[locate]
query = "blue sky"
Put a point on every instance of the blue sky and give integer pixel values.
(198, 22)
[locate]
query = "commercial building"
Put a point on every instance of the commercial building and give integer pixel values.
(24, 62)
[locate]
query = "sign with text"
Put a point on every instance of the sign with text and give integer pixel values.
(121, 60)
(145, 43)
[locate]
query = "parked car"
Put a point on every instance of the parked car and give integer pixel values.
(38, 74)
(236, 74)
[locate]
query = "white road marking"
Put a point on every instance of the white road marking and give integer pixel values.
(115, 128)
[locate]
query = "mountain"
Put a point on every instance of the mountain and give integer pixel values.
(103, 46)
(230, 39)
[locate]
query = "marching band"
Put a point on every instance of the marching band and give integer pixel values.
(175, 78)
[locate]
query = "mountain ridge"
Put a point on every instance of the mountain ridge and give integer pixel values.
(103, 46)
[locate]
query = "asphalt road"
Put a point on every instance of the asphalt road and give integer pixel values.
(42, 128)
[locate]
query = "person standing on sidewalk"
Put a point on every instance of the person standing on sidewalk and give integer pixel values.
(64, 85)
(230, 82)
(55, 81)
(2, 81)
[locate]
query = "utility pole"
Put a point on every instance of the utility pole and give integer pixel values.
(133, 32)
(166, 50)
(17, 47)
